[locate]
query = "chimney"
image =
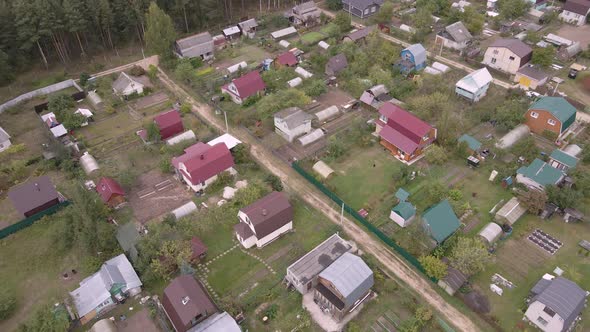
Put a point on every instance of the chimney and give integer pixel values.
(202, 156)
(37, 187)
(264, 212)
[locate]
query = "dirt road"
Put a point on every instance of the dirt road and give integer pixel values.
(294, 182)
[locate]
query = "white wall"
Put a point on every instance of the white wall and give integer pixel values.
(572, 18)
(399, 220)
(247, 243)
(200, 186)
(291, 134)
(503, 61)
(272, 236)
(233, 93)
(535, 310)
(5, 145)
(452, 44)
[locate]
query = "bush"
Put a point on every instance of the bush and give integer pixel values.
(315, 87)
(136, 71)
(548, 134)
(165, 165)
(84, 77)
(7, 303)
(223, 179)
(274, 182)
(250, 101)
(436, 155)
(152, 72)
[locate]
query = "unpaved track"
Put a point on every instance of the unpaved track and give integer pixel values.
(294, 182)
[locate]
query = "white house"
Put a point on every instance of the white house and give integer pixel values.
(507, 55)
(555, 304)
(114, 282)
(264, 220)
(475, 85)
(292, 122)
(4, 140)
(454, 36)
(403, 213)
(575, 12)
(126, 85)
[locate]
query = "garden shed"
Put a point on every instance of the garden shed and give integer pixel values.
(311, 137)
(88, 163)
(323, 169)
(511, 211)
(491, 232)
(327, 113)
(184, 210)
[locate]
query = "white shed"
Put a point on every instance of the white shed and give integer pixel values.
(229, 141)
(184, 210)
(323, 45)
(284, 43)
(327, 113)
(88, 163)
(513, 136)
(311, 137)
(491, 232)
(303, 73)
(295, 82)
(187, 135)
(323, 169)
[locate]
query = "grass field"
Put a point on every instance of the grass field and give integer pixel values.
(523, 263)
(312, 37)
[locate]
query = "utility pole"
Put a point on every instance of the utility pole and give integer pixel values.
(226, 126)
(342, 215)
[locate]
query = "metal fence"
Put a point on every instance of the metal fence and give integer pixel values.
(372, 228)
(39, 92)
(31, 220)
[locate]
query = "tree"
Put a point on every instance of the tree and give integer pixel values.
(59, 103)
(84, 77)
(469, 255)
(6, 69)
(533, 200)
(434, 267)
(185, 71)
(336, 148)
(153, 132)
(274, 182)
(543, 56)
(385, 13)
(510, 114)
(159, 34)
(342, 20)
(170, 257)
(282, 99)
(511, 9)
(7, 303)
(473, 20)
(563, 197)
(315, 87)
(436, 192)
(47, 319)
(532, 37)
(75, 17)
(436, 155)
(334, 4)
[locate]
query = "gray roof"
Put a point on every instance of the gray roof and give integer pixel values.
(96, 289)
(516, 46)
(293, 116)
(248, 24)
(219, 322)
(128, 236)
(4, 135)
(458, 32)
(564, 297)
(195, 45)
(533, 72)
(362, 4)
(33, 194)
(311, 264)
(351, 277)
(337, 63)
(306, 10)
(360, 33)
(419, 53)
(122, 82)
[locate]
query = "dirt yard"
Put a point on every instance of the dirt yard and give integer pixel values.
(155, 195)
(334, 96)
(139, 322)
(572, 32)
(151, 100)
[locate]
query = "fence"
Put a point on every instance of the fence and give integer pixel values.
(31, 220)
(39, 92)
(372, 228)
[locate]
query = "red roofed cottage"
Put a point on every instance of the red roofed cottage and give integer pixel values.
(169, 123)
(244, 87)
(287, 59)
(200, 164)
(110, 192)
(402, 133)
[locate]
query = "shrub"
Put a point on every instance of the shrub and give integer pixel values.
(84, 77)
(250, 101)
(274, 182)
(136, 71)
(7, 303)
(548, 134)
(436, 155)
(152, 72)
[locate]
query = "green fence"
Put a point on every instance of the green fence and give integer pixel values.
(31, 220)
(372, 228)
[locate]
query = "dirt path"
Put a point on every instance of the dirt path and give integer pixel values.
(293, 182)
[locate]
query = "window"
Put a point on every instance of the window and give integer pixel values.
(426, 138)
(373, 9)
(383, 118)
(534, 115)
(548, 311)
(493, 60)
(551, 122)
(511, 58)
(496, 52)
(366, 11)
(541, 321)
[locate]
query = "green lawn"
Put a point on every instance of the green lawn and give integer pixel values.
(312, 37)
(518, 260)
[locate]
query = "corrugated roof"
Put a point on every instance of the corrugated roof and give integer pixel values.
(184, 299)
(231, 30)
(337, 63)
(472, 143)
(360, 34)
(401, 194)
(475, 80)
(564, 297)
(269, 213)
(458, 32)
(533, 72)
(203, 161)
(559, 107)
(293, 117)
(511, 211)
(403, 129)
(219, 322)
(405, 210)
(108, 187)
(564, 158)
(229, 141)
(122, 82)
(516, 46)
(287, 59)
(362, 4)
(249, 84)
(541, 173)
(580, 7)
(248, 24)
(167, 119)
(196, 45)
(350, 275)
(418, 51)
(441, 221)
(33, 194)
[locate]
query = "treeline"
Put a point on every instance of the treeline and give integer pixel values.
(52, 31)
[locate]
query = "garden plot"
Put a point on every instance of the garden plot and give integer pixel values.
(155, 195)
(150, 100)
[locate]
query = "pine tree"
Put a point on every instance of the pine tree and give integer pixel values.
(159, 34)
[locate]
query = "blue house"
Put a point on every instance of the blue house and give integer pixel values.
(413, 58)
(474, 86)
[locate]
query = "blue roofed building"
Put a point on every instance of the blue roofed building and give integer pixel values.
(413, 58)
(562, 160)
(539, 174)
(440, 221)
(473, 144)
(403, 213)
(550, 114)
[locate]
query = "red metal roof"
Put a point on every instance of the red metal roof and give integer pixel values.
(398, 139)
(249, 84)
(403, 129)
(198, 247)
(203, 161)
(167, 119)
(108, 187)
(287, 59)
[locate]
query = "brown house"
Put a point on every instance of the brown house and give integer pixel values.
(186, 303)
(199, 249)
(37, 195)
(110, 192)
(550, 114)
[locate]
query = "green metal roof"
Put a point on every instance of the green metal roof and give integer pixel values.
(559, 107)
(405, 210)
(564, 158)
(401, 194)
(441, 221)
(472, 143)
(540, 172)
